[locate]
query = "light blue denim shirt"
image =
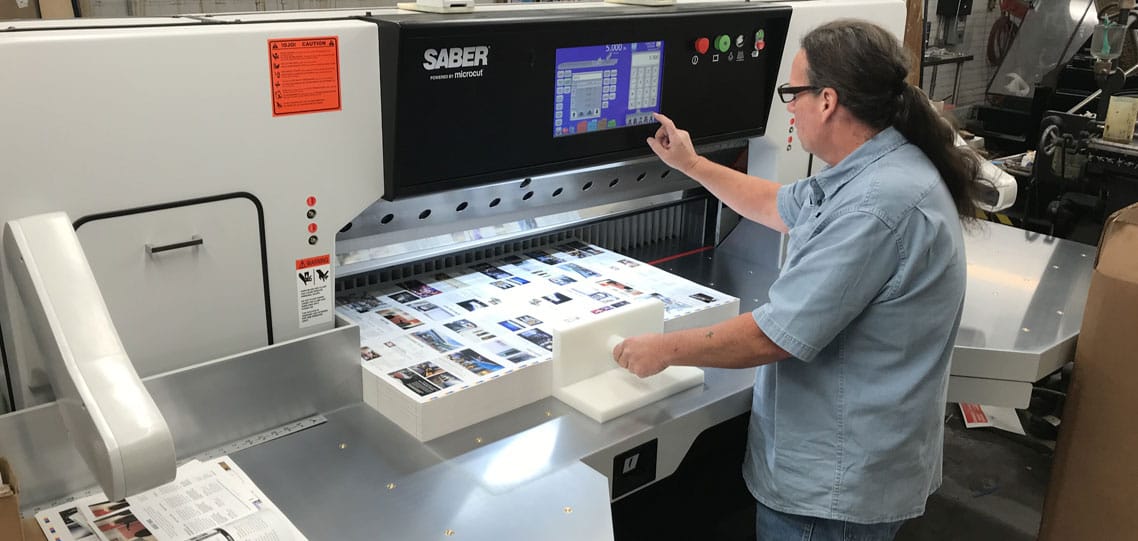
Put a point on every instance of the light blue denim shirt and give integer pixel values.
(868, 303)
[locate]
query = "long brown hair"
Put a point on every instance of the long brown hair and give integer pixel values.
(867, 67)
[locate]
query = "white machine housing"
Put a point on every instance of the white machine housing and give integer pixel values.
(152, 135)
(194, 203)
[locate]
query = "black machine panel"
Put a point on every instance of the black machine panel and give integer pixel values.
(477, 98)
(954, 8)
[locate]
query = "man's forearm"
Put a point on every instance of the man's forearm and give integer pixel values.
(735, 343)
(752, 197)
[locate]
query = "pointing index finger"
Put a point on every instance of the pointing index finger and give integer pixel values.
(665, 122)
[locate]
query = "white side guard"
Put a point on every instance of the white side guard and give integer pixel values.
(112, 419)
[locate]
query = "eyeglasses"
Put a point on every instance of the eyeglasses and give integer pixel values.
(788, 93)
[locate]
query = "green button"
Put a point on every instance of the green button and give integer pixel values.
(723, 43)
(759, 35)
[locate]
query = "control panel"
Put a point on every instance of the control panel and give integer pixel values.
(729, 48)
(480, 98)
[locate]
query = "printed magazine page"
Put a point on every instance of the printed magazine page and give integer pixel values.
(205, 500)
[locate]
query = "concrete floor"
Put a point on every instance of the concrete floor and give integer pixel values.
(993, 490)
(994, 485)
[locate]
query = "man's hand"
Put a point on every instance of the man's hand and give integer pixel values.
(673, 145)
(642, 355)
(735, 343)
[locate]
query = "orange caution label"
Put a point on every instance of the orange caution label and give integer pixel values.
(310, 262)
(304, 74)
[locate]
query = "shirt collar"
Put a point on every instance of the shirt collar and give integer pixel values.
(826, 183)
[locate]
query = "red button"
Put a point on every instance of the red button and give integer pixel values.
(311, 228)
(311, 201)
(702, 44)
(791, 121)
(760, 45)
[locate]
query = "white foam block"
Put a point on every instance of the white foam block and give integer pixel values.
(616, 392)
(586, 377)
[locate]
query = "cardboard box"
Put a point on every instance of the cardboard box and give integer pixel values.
(56, 9)
(19, 9)
(32, 531)
(11, 527)
(36, 9)
(1093, 489)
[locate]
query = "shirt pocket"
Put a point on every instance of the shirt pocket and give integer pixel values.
(804, 228)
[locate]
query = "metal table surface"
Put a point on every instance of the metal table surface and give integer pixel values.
(522, 475)
(532, 473)
(1024, 304)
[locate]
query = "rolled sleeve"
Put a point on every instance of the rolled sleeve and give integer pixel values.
(789, 201)
(828, 282)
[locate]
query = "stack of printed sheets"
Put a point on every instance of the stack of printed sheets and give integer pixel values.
(445, 350)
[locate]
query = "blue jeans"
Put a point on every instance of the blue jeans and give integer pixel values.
(774, 525)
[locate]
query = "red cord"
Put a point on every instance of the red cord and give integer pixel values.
(1000, 38)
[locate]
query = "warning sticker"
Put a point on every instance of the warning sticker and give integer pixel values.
(314, 290)
(305, 75)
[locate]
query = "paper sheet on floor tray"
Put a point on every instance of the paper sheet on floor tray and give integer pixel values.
(977, 416)
(207, 501)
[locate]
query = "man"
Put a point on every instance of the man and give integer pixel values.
(846, 427)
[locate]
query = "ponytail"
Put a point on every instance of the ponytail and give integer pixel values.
(959, 167)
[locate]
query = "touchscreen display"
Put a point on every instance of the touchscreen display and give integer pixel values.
(603, 87)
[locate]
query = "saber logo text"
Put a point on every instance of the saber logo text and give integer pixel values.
(456, 57)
